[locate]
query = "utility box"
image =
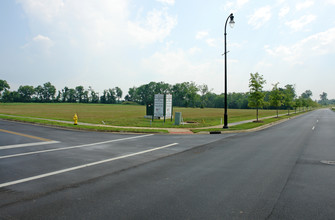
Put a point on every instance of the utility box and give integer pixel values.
(177, 118)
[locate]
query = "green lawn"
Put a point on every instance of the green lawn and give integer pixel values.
(127, 115)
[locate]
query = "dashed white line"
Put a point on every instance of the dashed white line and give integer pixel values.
(313, 128)
(73, 147)
(27, 144)
(81, 166)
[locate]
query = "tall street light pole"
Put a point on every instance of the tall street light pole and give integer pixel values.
(231, 23)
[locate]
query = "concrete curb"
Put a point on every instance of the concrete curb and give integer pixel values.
(180, 131)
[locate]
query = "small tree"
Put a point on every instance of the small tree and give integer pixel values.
(276, 97)
(289, 95)
(256, 98)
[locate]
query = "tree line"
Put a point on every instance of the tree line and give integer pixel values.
(186, 94)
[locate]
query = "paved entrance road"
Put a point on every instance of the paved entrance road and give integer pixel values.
(271, 174)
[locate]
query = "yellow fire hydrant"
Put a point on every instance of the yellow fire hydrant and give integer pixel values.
(75, 119)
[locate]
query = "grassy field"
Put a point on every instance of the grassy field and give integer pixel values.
(127, 115)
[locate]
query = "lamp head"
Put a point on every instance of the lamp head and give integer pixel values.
(231, 22)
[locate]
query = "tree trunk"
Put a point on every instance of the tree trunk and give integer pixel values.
(257, 114)
(277, 113)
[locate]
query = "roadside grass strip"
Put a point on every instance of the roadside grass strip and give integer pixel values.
(83, 166)
(73, 147)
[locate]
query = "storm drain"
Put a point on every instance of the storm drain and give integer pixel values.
(329, 162)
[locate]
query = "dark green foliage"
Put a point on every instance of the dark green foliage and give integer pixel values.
(186, 94)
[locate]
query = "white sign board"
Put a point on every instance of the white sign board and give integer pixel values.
(159, 105)
(168, 106)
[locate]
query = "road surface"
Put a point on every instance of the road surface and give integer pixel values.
(276, 173)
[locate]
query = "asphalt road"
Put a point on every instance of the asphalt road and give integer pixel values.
(271, 174)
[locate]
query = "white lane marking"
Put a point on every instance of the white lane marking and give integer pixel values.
(81, 166)
(72, 147)
(27, 145)
(313, 128)
(317, 121)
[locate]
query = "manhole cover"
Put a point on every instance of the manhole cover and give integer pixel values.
(329, 162)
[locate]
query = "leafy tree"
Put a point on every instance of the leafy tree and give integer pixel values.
(39, 93)
(3, 86)
(297, 104)
(179, 91)
(9, 96)
(118, 92)
(191, 95)
(72, 95)
(324, 99)
(94, 97)
(276, 97)
(58, 97)
(49, 92)
(108, 96)
(26, 93)
(65, 94)
(132, 95)
(80, 93)
(307, 94)
(203, 91)
(289, 95)
(256, 97)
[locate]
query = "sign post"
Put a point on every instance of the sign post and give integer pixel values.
(163, 106)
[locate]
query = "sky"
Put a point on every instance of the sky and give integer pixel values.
(126, 43)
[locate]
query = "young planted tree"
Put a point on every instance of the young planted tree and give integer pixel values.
(256, 97)
(289, 95)
(276, 97)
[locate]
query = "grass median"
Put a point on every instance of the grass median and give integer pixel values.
(128, 115)
(249, 125)
(82, 127)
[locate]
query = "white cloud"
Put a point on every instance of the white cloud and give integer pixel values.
(303, 5)
(241, 3)
(201, 35)
(315, 45)
(260, 17)
(41, 9)
(169, 2)
(284, 11)
(211, 42)
(233, 6)
(194, 50)
(300, 23)
(204, 35)
(157, 25)
(84, 23)
(331, 2)
(39, 44)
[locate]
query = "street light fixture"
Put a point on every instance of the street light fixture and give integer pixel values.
(231, 23)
